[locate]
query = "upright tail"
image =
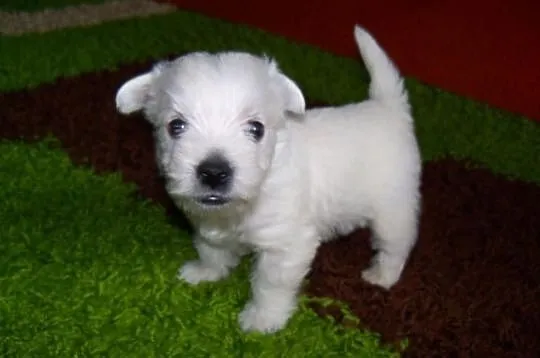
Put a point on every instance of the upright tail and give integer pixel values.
(386, 82)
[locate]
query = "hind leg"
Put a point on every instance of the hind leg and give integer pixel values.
(394, 231)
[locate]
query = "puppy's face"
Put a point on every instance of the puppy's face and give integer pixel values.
(217, 121)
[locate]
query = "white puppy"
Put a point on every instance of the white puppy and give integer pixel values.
(255, 172)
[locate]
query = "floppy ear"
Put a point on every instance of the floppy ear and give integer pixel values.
(294, 99)
(132, 96)
(292, 95)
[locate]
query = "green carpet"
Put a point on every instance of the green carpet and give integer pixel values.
(88, 270)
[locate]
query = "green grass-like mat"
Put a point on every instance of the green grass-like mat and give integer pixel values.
(88, 270)
(446, 124)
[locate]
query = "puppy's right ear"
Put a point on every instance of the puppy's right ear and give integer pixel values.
(294, 99)
(291, 94)
(133, 94)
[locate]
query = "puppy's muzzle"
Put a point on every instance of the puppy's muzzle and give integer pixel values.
(215, 174)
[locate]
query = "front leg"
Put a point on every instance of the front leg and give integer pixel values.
(275, 282)
(214, 263)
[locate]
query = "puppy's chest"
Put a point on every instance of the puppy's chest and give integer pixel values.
(241, 230)
(219, 234)
(231, 234)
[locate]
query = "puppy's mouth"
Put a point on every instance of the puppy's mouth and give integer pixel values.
(213, 200)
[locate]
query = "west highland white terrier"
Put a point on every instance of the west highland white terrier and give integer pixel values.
(255, 172)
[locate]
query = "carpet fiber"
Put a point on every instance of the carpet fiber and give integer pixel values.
(472, 286)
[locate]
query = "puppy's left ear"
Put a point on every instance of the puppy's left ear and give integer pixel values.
(292, 95)
(132, 96)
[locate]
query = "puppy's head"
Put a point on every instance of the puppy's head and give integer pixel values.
(217, 120)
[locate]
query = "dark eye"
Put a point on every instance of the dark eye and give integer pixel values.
(176, 127)
(255, 130)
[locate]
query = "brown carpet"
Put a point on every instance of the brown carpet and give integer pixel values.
(472, 286)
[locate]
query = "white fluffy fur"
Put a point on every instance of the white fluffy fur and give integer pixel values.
(314, 175)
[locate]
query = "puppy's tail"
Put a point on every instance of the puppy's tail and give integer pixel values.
(386, 82)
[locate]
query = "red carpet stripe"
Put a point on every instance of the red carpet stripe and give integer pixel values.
(488, 50)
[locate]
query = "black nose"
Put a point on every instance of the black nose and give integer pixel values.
(215, 172)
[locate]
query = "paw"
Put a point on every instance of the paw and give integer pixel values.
(260, 319)
(194, 272)
(379, 276)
